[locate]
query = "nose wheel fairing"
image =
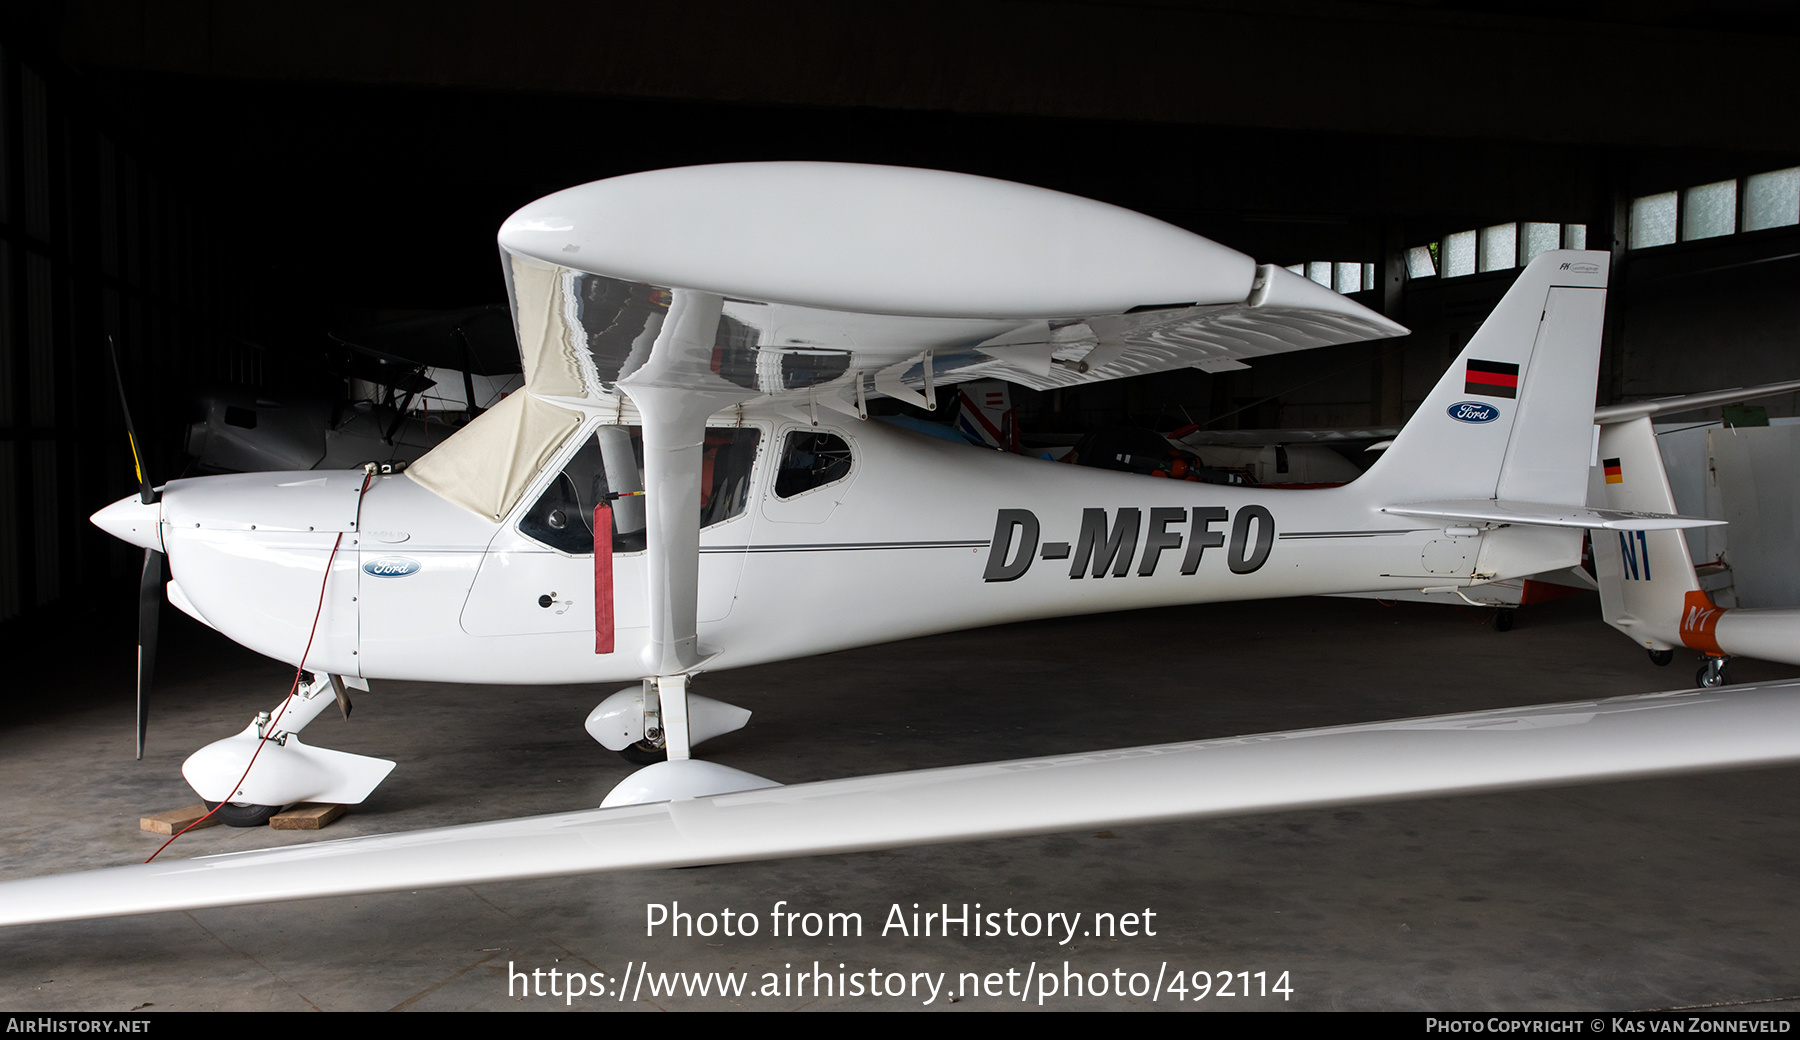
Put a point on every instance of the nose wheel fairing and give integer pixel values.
(286, 770)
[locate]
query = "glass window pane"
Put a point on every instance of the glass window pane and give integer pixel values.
(1418, 262)
(1709, 210)
(1459, 254)
(1299, 269)
(1368, 276)
(1349, 278)
(1653, 220)
(1772, 199)
(563, 516)
(809, 461)
(1499, 247)
(611, 463)
(1319, 271)
(1540, 238)
(725, 462)
(1574, 236)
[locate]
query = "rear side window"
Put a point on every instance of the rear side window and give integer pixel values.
(809, 461)
(611, 462)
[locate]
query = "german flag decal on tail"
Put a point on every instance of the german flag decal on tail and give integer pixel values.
(1491, 379)
(1614, 475)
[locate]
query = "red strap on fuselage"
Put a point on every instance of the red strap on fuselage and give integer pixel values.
(603, 579)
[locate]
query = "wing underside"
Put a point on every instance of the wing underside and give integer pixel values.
(585, 335)
(1620, 738)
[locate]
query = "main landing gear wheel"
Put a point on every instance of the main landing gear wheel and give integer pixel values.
(1661, 658)
(1712, 673)
(644, 753)
(1503, 621)
(243, 814)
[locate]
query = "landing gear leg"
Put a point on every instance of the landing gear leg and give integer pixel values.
(660, 718)
(268, 766)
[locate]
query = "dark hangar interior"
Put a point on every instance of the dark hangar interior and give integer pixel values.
(221, 185)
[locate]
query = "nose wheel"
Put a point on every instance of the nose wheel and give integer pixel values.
(243, 814)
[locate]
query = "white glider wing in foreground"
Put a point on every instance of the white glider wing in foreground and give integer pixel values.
(1620, 738)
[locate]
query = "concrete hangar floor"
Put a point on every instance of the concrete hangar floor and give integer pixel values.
(1655, 894)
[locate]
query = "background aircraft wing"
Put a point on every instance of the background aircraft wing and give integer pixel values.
(1542, 745)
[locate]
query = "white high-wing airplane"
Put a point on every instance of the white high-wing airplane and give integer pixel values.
(699, 345)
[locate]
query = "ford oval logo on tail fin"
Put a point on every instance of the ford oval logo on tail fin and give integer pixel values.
(391, 567)
(1473, 412)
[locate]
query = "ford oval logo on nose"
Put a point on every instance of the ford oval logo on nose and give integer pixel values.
(391, 567)
(1473, 412)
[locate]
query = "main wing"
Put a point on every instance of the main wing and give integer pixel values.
(1615, 739)
(822, 285)
(832, 275)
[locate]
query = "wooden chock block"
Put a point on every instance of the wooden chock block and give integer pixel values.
(307, 816)
(170, 822)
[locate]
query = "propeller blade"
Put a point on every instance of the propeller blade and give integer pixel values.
(149, 613)
(146, 493)
(150, 585)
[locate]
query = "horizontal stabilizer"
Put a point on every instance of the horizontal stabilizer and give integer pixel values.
(1620, 738)
(1619, 413)
(1537, 514)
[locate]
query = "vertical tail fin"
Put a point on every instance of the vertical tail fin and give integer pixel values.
(1512, 419)
(1646, 578)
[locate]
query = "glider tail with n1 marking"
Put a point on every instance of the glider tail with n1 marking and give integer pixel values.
(1648, 587)
(1647, 580)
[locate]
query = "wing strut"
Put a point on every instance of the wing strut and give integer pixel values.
(674, 420)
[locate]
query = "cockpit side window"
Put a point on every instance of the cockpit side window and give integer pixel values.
(610, 465)
(811, 460)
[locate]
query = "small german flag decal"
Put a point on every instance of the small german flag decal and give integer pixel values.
(1492, 379)
(1614, 475)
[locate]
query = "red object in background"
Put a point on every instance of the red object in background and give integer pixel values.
(1544, 592)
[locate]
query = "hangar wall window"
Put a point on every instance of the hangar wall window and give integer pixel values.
(1754, 203)
(1344, 277)
(1499, 247)
(1653, 220)
(1709, 210)
(1458, 254)
(1535, 238)
(1772, 199)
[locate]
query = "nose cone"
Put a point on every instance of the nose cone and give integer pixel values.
(130, 520)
